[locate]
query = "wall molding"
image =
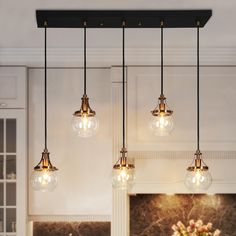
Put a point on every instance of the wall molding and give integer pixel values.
(112, 56)
(93, 218)
(180, 155)
(176, 187)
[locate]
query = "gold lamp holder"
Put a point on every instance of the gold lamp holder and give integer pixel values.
(85, 109)
(45, 163)
(198, 163)
(162, 108)
(123, 162)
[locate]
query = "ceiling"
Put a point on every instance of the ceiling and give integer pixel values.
(18, 25)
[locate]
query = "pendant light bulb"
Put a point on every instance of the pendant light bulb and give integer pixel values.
(198, 177)
(161, 122)
(84, 122)
(44, 176)
(123, 175)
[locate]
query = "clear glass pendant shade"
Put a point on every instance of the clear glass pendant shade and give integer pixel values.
(198, 180)
(44, 176)
(198, 177)
(85, 126)
(123, 178)
(161, 122)
(84, 122)
(161, 125)
(44, 181)
(123, 175)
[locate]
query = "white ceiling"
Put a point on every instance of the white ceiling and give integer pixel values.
(18, 25)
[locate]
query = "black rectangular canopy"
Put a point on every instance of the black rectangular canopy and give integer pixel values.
(114, 18)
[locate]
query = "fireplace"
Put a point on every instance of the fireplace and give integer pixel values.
(155, 214)
(71, 228)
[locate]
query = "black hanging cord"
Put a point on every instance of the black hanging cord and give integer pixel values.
(198, 96)
(123, 80)
(162, 64)
(45, 82)
(85, 66)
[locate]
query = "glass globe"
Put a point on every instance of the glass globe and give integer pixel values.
(198, 180)
(161, 125)
(123, 178)
(44, 181)
(85, 126)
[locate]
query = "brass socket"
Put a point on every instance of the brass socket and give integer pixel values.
(198, 163)
(161, 109)
(123, 162)
(85, 109)
(45, 163)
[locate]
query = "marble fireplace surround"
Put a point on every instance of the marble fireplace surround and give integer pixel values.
(71, 228)
(155, 214)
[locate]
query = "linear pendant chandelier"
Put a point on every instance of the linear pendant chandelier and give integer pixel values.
(123, 171)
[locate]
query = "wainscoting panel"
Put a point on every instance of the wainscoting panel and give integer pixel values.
(217, 116)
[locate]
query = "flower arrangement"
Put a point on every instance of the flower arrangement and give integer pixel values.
(194, 229)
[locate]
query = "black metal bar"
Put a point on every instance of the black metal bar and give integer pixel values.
(123, 80)
(45, 82)
(132, 18)
(162, 63)
(198, 96)
(85, 60)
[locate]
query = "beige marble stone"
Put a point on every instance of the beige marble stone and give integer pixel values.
(154, 214)
(71, 229)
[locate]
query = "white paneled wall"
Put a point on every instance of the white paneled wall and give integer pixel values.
(161, 162)
(84, 164)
